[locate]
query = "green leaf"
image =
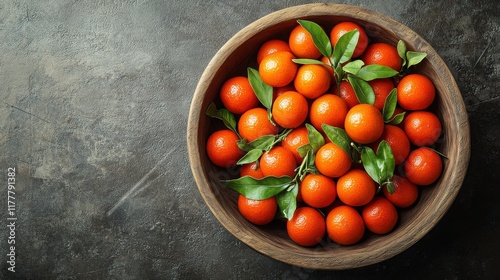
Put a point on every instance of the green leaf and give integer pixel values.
(401, 47)
(251, 156)
(223, 114)
(339, 137)
(384, 153)
(390, 187)
(369, 160)
(397, 119)
(264, 142)
(353, 66)
(414, 58)
(287, 202)
(316, 140)
(320, 39)
(364, 92)
(263, 91)
(304, 149)
(345, 47)
(390, 105)
(309, 61)
(258, 189)
(375, 71)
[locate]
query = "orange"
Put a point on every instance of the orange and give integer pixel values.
(237, 95)
(380, 216)
(294, 140)
(381, 88)
(259, 212)
(382, 54)
(312, 80)
(345, 225)
(332, 161)
(364, 123)
(317, 190)
(277, 91)
(342, 28)
(222, 148)
(278, 161)
(301, 43)
(423, 128)
(272, 46)
(252, 170)
(423, 166)
(307, 226)
(405, 193)
(278, 69)
(415, 92)
(326, 61)
(255, 123)
(347, 94)
(397, 140)
(290, 109)
(328, 109)
(356, 188)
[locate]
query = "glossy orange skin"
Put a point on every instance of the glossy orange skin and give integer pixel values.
(397, 140)
(255, 123)
(294, 140)
(301, 43)
(356, 188)
(272, 46)
(332, 161)
(259, 212)
(279, 161)
(347, 94)
(381, 88)
(312, 80)
(423, 128)
(382, 54)
(328, 109)
(423, 166)
(290, 109)
(237, 95)
(345, 225)
(405, 193)
(364, 123)
(252, 170)
(278, 69)
(343, 27)
(318, 190)
(415, 92)
(380, 216)
(307, 226)
(222, 148)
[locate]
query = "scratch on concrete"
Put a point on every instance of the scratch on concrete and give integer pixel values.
(481, 55)
(132, 191)
(24, 111)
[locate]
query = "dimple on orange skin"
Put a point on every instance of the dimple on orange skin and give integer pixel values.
(312, 80)
(318, 190)
(332, 161)
(290, 109)
(237, 95)
(344, 225)
(356, 188)
(364, 123)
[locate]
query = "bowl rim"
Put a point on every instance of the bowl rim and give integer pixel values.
(317, 260)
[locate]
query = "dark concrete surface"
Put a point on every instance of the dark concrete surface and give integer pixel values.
(93, 112)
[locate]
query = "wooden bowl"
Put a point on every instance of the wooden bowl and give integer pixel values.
(240, 52)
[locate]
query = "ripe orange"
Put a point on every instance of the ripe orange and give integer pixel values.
(301, 43)
(290, 109)
(279, 161)
(278, 69)
(294, 140)
(259, 212)
(341, 28)
(252, 170)
(347, 94)
(364, 123)
(255, 123)
(381, 88)
(423, 128)
(332, 161)
(397, 140)
(356, 188)
(405, 193)
(328, 109)
(277, 91)
(382, 54)
(317, 190)
(380, 216)
(345, 225)
(237, 95)
(272, 46)
(312, 80)
(307, 226)
(423, 166)
(325, 60)
(415, 92)
(222, 148)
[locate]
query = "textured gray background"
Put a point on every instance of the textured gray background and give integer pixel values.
(94, 105)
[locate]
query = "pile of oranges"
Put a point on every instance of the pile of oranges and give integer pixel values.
(332, 134)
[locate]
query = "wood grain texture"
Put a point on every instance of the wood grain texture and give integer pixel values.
(239, 53)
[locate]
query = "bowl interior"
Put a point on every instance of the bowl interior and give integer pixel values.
(414, 222)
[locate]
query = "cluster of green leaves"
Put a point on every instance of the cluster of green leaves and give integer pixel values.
(379, 165)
